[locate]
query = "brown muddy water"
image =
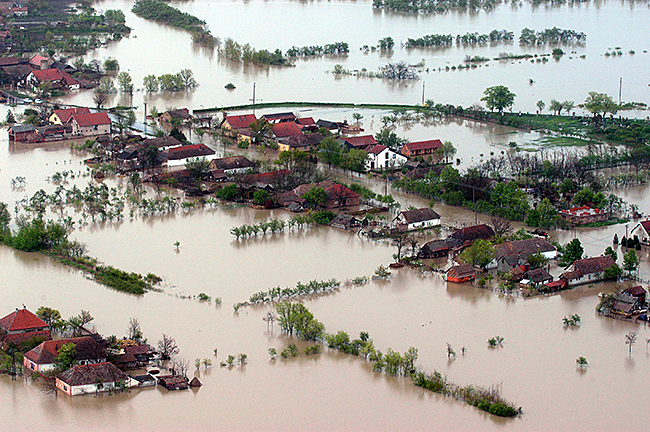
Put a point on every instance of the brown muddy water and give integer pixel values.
(535, 367)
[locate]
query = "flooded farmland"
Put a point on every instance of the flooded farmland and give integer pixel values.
(535, 367)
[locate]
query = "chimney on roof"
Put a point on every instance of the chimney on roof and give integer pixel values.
(44, 65)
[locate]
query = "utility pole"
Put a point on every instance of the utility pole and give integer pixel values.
(423, 92)
(620, 87)
(253, 94)
(145, 120)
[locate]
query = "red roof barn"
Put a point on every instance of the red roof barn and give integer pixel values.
(22, 325)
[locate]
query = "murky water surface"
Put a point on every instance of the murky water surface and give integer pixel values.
(536, 365)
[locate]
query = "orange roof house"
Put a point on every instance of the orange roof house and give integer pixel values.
(22, 325)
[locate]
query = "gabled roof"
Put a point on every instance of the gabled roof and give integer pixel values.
(360, 142)
(420, 215)
(475, 232)
(636, 291)
(286, 129)
(92, 119)
(92, 374)
(66, 114)
(462, 270)
(189, 151)
(37, 59)
(625, 303)
(268, 177)
(86, 349)
(165, 141)
(305, 121)
(279, 116)
(646, 226)
(376, 149)
(54, 75)
(300, 141)
(525, 248)
(539, 275)
(327, 124)
(240, 121)
(21, 319)
(232, 162)
(12, 61)
(181, 113)
(594, 265)
(340, 191)
(423, 145)
(19, 128)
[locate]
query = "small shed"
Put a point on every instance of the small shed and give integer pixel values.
(173, 382)
(195, 382)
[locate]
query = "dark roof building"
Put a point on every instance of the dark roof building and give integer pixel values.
(421, 148)
(359, 142)
(91, 378)
(43, 357)
(189, 151)
(232, 164)
(472, 233)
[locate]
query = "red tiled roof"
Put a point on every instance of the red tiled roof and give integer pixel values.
(305, 121)
(92, 119)
(376, 149)
(86, 349)
(287, 129)
(462, 270)
(188, 151)
(594, 265)
(361, 141)
(54, 75)
(36, 60)
(21, 319)
(240, 121)
(341, 191)
(268, 177)
(646, 226)
(421, 145)
(66, 114)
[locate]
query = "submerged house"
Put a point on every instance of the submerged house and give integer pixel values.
(435, 249)
(421, 148)
(584, 215)
(642, 232)
(461, 273)
(43, 357)
(22, 325)
(469, 235)
(91, 378)
(588, 270)
(511, 254)
(239, 126)
(414, 219)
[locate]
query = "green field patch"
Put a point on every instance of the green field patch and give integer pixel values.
(560, 141)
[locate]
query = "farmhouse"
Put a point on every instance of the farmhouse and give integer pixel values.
(511, 254)
(642, 231)
(22, 325)
(57, 79)
(470, 234)
(413, 219)
(43, 357)
(588, 270)
(359, 142)
(91, 378)
(232, 164)
(381, 157)
(91, 124)
(421, 148)
(461, 273)
(300, 142)
(177, 156)
(64, 116)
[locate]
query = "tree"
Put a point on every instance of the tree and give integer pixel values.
(357, 117)
(111, 64)
(500, 225)
(198, 169)
(630, 261)
(555, 106)
(399, 241)
(398, 71)
(572, 251)
(150, 83)
(481, 253)
(537, 260)
(296, 317)
(630, 340)
(10, 119)
(386, 43)
(316, 196)
(540, 106)
(106, 86)
(134, 330)
(187, 77)
(261, 130)
(260, 197)
(498, 97)
(49, 315)
(390, 139)
(66, 356)
(599, 102)
(568, 106)
(167, 347)
(125, 119)
(446, 151)
(611, 252)
(99, 99)
(125, 82)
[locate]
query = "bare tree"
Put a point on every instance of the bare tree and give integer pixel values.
(99, 99)
(134, 331)
(630, 339)
(181, 367)
(399, 241)
(167, 347)
(269, 319)
(413, 243)
(501, 226)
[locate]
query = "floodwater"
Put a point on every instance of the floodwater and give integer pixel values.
(156, 49)
(536, 365)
